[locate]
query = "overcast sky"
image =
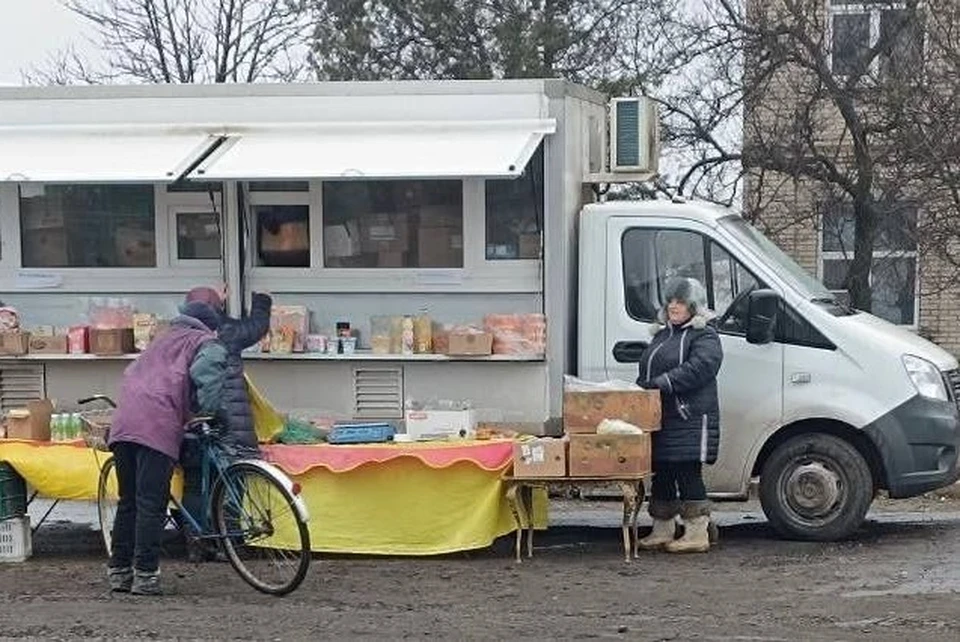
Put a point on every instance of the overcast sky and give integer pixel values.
(30, 31)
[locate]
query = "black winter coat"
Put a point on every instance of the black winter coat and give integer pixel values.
(238, 335)
(683, 362)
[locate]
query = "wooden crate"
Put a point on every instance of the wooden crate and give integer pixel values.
(14, 343)
(609, 455)
(583, 411)
(543, 457)
(111, 342)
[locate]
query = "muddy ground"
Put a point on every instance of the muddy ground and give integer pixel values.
(897, 580)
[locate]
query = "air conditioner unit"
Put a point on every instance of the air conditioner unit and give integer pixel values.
(634, 135)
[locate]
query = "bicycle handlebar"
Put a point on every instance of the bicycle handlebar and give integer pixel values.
(103, 398)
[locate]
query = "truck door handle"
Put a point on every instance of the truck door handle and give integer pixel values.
(800, 378)
(629, 351)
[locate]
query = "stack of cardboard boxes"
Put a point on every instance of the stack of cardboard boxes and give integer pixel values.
(387, 237)
(440, 238)
(582, 452)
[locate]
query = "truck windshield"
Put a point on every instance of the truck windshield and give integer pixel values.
(810, 287)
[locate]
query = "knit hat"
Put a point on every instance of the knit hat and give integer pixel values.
(206, 295)
(692, 293)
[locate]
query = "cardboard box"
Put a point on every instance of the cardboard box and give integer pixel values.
(135, 247)
(112, 342)
(14, 343)
(341, 241)
(32, 422)
(41, 344)
(390, 259)
(440, 247)
(529, 246)
(609, 455)
(583, 411)
(424, 425)
(45, 248)
(543, 457)
(469, 345)
(385, 233)
(287, 237)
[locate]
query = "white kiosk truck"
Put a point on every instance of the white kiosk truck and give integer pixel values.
(825, 404)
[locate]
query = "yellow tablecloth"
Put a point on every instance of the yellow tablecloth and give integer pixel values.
(401, 505)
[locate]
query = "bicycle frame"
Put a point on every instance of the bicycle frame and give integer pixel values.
(212, 457)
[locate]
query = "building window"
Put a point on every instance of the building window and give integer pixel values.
(88, 226)
(893, 274)
(198, 236)
(515, 213)
(393, 224)
(856, 26)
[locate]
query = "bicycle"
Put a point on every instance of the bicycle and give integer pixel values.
(246, 499)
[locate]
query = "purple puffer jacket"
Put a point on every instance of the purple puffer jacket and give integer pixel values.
(154, 404)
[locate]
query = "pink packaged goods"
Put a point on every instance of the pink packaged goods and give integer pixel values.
(517, 334)
(9, 320)
(110, 314)
(78, 339)
(292, 321)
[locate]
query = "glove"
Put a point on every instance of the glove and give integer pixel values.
(648, 385)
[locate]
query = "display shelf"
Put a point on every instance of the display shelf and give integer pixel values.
(304, 356)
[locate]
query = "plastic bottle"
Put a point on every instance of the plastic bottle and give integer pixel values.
(55, 431)
(406, 338)
(75, 425)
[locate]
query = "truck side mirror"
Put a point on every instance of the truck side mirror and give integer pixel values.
(762, 309)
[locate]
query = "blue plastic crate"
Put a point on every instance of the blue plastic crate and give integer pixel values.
(361, 433)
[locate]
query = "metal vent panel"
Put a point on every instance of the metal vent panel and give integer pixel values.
(378, 393)
(20, 383)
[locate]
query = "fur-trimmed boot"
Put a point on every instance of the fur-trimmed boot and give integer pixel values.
(696, 521)
(664, 531)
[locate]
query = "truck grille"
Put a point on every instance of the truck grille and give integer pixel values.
(953, 382)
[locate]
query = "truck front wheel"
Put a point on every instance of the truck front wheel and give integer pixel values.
(816, 487)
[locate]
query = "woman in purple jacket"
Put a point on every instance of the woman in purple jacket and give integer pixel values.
(181, 373)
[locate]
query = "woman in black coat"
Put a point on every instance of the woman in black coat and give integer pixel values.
(240, 439)
(682, 361)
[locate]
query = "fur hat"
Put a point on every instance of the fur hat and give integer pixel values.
(691, 292)
(206, 295)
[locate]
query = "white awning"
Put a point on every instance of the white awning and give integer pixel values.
(495, 149)
(88, 156)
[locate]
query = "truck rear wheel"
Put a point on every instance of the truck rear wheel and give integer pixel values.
(816, 487)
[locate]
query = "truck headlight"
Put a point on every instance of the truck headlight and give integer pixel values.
(926, 377)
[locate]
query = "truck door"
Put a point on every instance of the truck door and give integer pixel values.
(641, 257)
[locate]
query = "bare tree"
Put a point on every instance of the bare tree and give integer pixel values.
(859, 109)
(185, 41)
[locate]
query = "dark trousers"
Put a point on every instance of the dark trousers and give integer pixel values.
(684, 479)
(143, 478)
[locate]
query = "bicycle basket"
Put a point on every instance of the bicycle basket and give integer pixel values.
(96, 428)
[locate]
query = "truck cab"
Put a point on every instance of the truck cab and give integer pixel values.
(824, 404)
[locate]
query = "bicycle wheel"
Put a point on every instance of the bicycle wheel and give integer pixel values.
(107, 498)
(265, 539)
